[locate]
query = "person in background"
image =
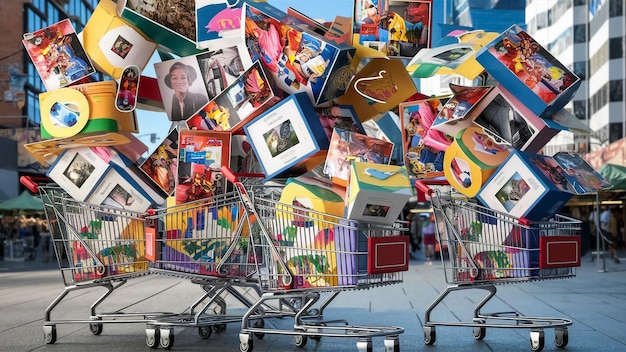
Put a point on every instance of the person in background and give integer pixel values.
(608, 225)
(428, 238)
(414, 233)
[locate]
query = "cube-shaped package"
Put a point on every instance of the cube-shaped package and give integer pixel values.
(170, 24)
(298, 58)
(526, 68)
(535, 186)
(112, 44)
(288, 135)
(377, 193)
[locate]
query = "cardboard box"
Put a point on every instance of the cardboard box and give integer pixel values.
(535, 186)
(112, 44)
(387, 127)
(84, 109)
(201, 156)
(120, 188)
(208, 75)
(246, 97)
(377, 192)
(218, 24)
(396, 27)
(78, 171)
(525, 67)
(286, 135)
(346, 146)
(155, 19)
(471, 159)
(297, 58)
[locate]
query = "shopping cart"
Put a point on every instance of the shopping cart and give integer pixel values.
(95, 246)
(486, 248)
(300, 254)
(207, 242)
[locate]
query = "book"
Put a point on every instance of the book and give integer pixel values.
(58, 55)
(201, 156)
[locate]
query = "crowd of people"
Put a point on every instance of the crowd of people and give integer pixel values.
(32, 229)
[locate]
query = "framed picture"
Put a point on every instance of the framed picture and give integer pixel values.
(78, 171)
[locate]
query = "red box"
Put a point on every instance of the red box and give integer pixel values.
(387, 254)
(559, 251)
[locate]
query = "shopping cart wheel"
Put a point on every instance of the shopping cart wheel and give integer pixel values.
(153, 337)
(96, 328)
(205, 331)
(479, 332)
(392, 344)
(245, 343)
(561, 337)
(364, 345)
(50, 334)
(259, 324)
(218, 328)
(300, 340)
(167, 338)
(537, 340)
(430, 335)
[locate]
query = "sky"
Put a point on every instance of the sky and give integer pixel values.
(157, 122)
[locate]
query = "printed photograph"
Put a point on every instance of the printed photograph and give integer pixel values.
(161, 166)
(375, 210)
(119, 198)
(280, 138)
(121, 47)
(504, 123)
(220, 69)
(79, 170)
(512, 191)
(182, 92)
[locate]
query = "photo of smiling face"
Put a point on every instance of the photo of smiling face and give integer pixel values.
(179, 80)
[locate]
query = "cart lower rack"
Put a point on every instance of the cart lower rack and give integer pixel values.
(96, 247)
(482, 248)
(300, 254)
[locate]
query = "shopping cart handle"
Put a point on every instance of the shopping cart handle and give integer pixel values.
(229, 174)
(30, 182)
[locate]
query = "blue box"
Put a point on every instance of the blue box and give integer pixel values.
(289, 134)
(528, 70)
(528, 186)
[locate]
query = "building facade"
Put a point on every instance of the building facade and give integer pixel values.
(20, 82)
(588, 37)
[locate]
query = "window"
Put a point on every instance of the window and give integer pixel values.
(615, 48)
(579, 69)
(615, 8)
(580, 35)
(616, 89)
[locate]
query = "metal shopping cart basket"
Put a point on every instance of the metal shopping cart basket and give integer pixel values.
(95, 246)
(486, 248)
(207, 242)
(300, 254)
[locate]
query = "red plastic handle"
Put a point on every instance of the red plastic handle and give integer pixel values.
(423, 188)
(229, 174)
(30, 182)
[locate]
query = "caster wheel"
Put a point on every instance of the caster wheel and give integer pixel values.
(300, 340)
(245, 343)
(479, 332)
(259, 324)
(167, 338)
(561, 337)
(314, 312)
(537, 340)
(219, 328)
(153, 337)
(364, 345)
(96, 328)
(430, 335)
(318, 337)
(205, 332)
(392, 344)
(50, 334)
